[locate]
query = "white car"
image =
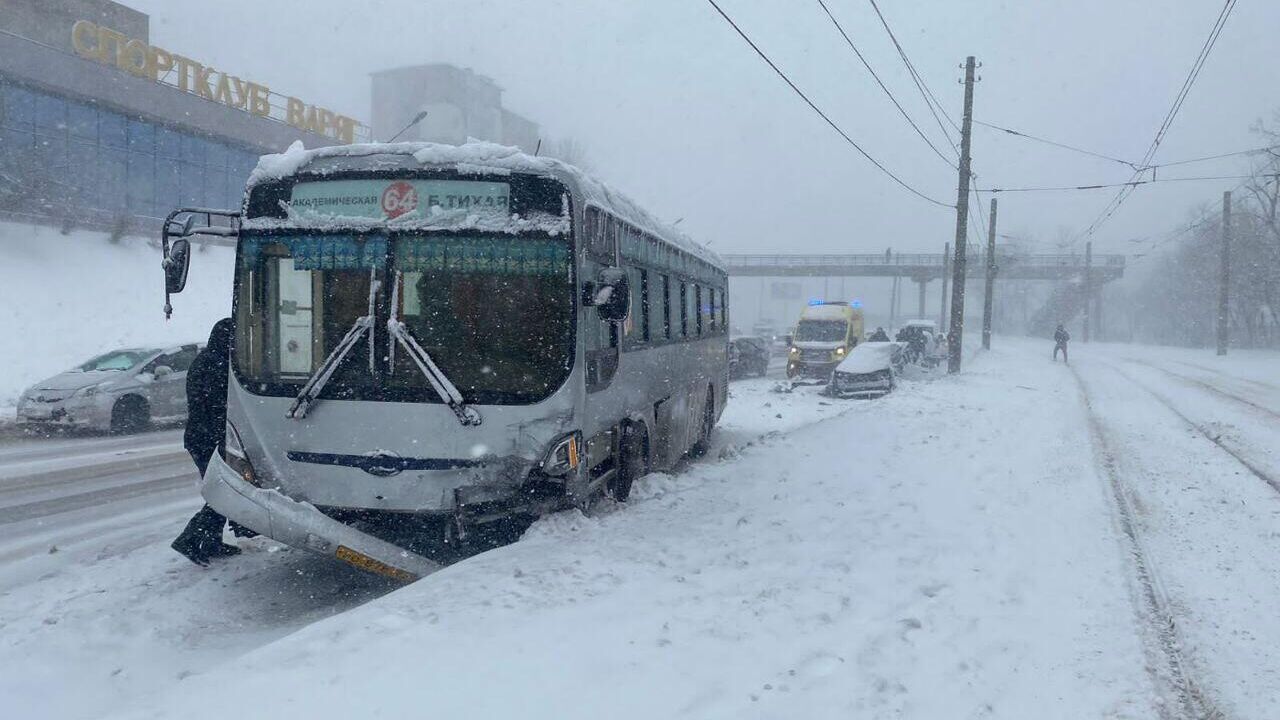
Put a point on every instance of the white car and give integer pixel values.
(120, 391)
(871, 370)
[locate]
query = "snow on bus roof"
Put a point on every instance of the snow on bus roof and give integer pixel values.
(477, 157)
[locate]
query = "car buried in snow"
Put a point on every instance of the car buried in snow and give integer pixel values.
(436, 339)
(871, 370)
(121, 391)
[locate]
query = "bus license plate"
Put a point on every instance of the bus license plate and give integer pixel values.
(364, 562)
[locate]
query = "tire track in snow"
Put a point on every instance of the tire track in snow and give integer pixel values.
(1162, 640)
(1216, 439)
(1209, 387)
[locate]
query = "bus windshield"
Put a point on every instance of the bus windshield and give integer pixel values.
(494, 311)
(821, 330)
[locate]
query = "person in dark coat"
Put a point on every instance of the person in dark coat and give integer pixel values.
(879, 336)
(1060, 338)
(201, 540)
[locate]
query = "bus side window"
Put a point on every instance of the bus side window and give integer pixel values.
(644, 305)
(697, 306)
(684, 310)
(666, 306)
(712, 308)
(602, 236)
(724, 313)
(636, 327)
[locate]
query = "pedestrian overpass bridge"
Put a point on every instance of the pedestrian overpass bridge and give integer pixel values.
(1086, 273)
(923, 267)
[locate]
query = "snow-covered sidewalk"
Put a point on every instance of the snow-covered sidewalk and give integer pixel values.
(948, 551)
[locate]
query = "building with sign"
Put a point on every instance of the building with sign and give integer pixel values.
(99, 127)
(460, 104)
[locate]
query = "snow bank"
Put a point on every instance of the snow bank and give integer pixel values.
(69, 297)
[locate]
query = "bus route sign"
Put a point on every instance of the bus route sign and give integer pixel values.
(388, 200)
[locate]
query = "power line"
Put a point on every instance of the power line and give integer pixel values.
(1111, 207)
(929, 100)
(1029, 136)
(1122, 161)
(977, 194)
(1217, 157)
(1196, 67)
(823, 115)
(1128, 184)
(892, 99)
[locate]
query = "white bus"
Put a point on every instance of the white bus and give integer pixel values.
(432, 338)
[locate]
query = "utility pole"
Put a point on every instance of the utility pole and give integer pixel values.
(956, 336)
(893, 304)
(1224, 297)
(1088, 287)
(991, 279)
(946, 276)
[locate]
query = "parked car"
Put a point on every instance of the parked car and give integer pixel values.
(748, 356)
(871, 370)
(119, 391)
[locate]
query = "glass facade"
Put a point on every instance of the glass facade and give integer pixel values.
(59, 154)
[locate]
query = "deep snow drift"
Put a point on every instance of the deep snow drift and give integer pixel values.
(70, 297)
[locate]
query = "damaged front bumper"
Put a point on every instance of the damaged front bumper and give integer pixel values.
(303, 526)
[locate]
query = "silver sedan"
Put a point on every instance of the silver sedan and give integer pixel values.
(120, 391)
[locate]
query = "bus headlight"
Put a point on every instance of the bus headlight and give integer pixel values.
(564, 456)
(236, 458)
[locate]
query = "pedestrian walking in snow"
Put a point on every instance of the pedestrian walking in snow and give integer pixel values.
(879, 336)
(1060, 338)
(201, 540)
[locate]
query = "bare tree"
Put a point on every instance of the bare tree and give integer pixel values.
(569, 150)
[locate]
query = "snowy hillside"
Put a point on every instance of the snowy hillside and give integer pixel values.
(69, 297)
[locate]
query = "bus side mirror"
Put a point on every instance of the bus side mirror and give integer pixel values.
(176, 266)
(610, 295)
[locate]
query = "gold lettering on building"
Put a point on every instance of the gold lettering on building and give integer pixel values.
(109, 47)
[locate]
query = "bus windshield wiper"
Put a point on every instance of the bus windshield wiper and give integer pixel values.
(316, 383)
(399, 334)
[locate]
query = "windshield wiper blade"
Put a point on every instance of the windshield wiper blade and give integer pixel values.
(444, 387)
(398, 333)
(315, 384)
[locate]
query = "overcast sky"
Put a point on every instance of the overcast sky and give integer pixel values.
(675, 109)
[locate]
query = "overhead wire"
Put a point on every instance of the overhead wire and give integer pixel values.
(813, 106)
(1206, 48)
(1122, 161)
(1130, 183)
(886, 90)
(1207, 158)
(1036, 138)
(929, 99)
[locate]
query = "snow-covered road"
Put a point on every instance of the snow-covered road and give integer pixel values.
(1025, 540)
(69, 500)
